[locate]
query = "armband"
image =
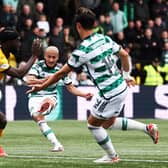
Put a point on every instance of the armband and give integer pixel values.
(126, 75)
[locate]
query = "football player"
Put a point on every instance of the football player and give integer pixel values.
(43, 102)
(9, 44)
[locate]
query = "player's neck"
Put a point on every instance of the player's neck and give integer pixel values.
(86, 34)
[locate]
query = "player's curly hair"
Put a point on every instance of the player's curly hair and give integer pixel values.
(3, 120)
(85, 17)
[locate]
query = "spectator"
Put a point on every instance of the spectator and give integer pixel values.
(30, 3)
(101, 19)
(12, 3)
(139, 31)
(39, 10)
(98, 28)
(164, 61)
(164, 39)
(59, 22)
(45, 40)
(158, 8)
(42, 23)
(108, 28)
(153, 73)
(120, 39)
(150, 24)
(139, 34)
(149, 47)
(158, 27)
(68, 44)
(7, 18)
(68, 39)
(26, 40)
(54, 9)
(56, 39)
(118, 19)
(130, 33)
(130, 38)
(164, 56)
(26, 13)
(141, 10)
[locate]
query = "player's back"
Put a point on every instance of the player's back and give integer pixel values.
(97, 53)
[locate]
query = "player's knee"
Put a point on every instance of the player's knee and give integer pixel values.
(3, 121)
(91, 127)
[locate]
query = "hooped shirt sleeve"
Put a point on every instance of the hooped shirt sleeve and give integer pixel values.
(115, 47)
(77, 58)
(35, 69)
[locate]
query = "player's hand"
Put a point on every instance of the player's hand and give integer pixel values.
(37, 47)
(34, 88)
(129, 79)
(89, 96)
(130, 82)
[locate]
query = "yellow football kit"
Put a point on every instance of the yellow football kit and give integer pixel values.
(5, 63)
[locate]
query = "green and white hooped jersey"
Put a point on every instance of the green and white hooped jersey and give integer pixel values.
(40, 70)
(97, 54)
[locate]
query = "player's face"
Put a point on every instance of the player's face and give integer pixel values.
(14, 45)
(51, 59)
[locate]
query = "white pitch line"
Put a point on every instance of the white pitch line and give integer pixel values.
(78, 158)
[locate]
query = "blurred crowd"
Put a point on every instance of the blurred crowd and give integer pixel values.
(139, 26)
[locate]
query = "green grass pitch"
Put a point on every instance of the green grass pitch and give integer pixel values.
(27, 148)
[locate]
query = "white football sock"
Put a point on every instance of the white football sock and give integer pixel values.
(102, 138)
(128, 124)
(48, 133)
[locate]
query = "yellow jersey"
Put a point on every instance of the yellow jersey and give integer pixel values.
(5, 63)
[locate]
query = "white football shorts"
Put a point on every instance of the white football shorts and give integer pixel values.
(34, 103)
(105, 109)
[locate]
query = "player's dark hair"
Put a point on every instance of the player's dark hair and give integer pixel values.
(3, 121)
(8, 33)
(85, 17)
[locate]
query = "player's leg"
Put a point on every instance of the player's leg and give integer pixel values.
(39, 118)
(103, 139)
(102, 111)
(130, 124)
(106, 111)
(3, 123)
(49, 134)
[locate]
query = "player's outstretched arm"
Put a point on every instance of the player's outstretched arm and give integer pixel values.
(77, 92)
(51, 79)
(22, 70)
(31, 80)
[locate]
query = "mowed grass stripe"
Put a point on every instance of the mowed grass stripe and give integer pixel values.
(79, 158)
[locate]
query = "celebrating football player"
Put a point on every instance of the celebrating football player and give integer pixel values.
(43, 102)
